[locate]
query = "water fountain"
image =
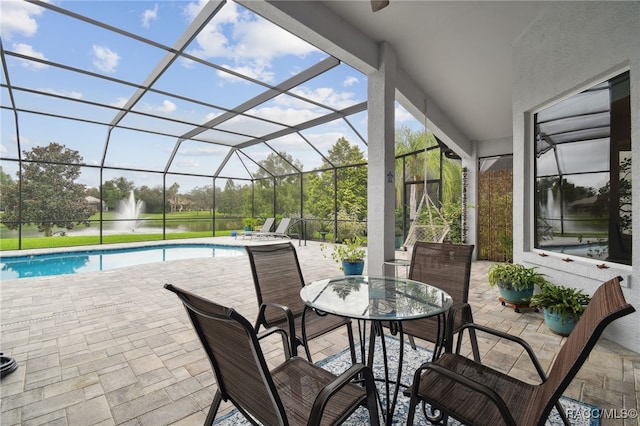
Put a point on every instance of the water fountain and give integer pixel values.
(128, 212)
(553, 210)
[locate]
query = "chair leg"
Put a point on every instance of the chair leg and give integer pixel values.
(217, 399)
(304, 344)
(413, 405)
(563, 416)
(352, 347)
(412, 342)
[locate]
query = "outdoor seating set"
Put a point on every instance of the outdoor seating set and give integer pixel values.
(449, 385)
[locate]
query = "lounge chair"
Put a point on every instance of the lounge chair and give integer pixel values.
(266, 227)
(280, 232)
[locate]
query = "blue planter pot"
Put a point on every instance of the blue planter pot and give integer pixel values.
(352, 268)
(557, 323)
(398, 242)
(516, 296)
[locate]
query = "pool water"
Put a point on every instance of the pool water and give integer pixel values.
(60, 263)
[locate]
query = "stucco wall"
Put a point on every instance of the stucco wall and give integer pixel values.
(572, 46)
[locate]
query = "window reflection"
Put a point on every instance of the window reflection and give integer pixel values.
(583, 174)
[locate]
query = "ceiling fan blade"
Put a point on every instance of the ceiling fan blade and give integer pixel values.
(377, 5)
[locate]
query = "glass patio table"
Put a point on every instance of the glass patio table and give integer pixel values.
(379, 299)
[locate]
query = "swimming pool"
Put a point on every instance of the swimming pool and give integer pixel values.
(75, 262)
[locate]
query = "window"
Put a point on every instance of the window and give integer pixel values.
(583, 174)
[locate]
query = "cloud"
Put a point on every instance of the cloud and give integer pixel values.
(119, 103)
(290, 116)
(105, 59)
(27, 50)
(402, 115)
(166, 108)
(210, 116)
(248, 42)
(17, 17)
(72, 94)
(200, 149)
(256, 71)
(350, 81)
(149, 15)
(327, 96)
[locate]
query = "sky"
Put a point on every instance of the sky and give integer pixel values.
(237, 41)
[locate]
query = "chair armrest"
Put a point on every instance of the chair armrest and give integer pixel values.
(283, 334)
(261, 320)
(472, 384)
(507, 336)
(341, 381)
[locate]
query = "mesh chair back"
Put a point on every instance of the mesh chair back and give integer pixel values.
(607, 304)
(447, 266)
(277, 278)
(235, 354)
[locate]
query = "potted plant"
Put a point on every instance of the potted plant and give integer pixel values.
(349, 255)
(515, 282)
(561, 306)
(248, 223)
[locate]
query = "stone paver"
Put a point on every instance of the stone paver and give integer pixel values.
(114, 347)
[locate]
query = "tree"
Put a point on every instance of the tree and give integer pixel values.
(115, 190)
(172, 197)
(286, 169)
(352, 182)
(230, 200)
(6, 182)
(202, 198)
(408, 141)
(152, 197)
(50, 194)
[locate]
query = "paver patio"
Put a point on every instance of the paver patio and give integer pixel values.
(114, 347)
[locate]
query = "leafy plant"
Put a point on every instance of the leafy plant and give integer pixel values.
(351, 251)
(349, 224)
(565, 301)
(248, 223)
(515, 276)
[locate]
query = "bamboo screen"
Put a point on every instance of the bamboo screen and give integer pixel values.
(495, 212)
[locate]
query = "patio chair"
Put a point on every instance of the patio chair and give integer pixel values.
(278, 279)
(294, 392)
(476, 394)
(447, 266)
(266, 227)
(280, 232)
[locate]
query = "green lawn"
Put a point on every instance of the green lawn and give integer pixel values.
(72, 241)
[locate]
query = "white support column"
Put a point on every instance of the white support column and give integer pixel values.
(381, 177)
